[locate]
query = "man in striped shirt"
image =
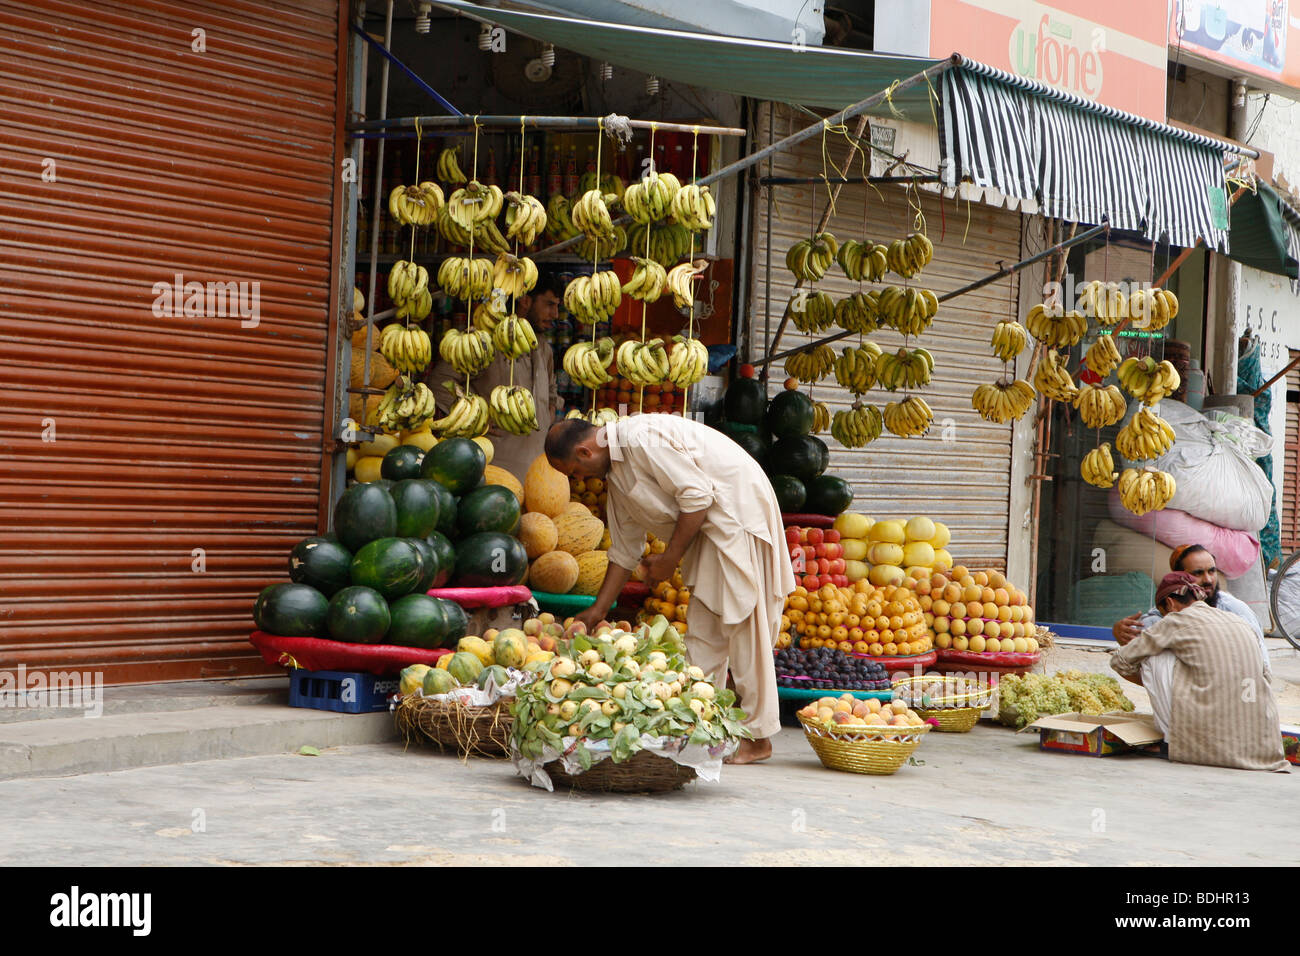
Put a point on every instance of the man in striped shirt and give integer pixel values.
(1202, 670)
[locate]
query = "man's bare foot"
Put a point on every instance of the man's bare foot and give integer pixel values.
(752, 751)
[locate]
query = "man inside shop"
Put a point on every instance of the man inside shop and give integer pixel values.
(688, 485)
(534, 371)
(1197, 561)
(1202, 670)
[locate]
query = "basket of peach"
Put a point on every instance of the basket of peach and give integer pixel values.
(952, 704)
(861, 736)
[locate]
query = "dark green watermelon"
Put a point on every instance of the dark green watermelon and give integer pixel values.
(455, 463)
(457, 621)
(790, 413)
(489, 508)
(402, 462)
(418, 506)
(490, 559)
(291, 610)
(390, 565)
(428, 564)
(803, 456)
(446, 556)
(790, 493)
(745, 401)
(828, 495)
(358, 615)
(385, 483)
(365, 513)
(321, 563)
(753, 440)
(447, 508)
(420, 621)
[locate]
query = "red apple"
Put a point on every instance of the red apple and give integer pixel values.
(809, 552)
(747, 371)
(837, 566)
(823, 566)
(834, 551)
(792, 535)
(839, 580)
(831, 536)
(824, 579)
(803, 535)
(811, 582)
(820, 551)
(814, 535)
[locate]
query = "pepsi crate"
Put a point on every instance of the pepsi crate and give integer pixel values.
(346, 692)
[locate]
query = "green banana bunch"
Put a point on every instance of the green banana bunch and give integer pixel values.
(858, 426)
(559, 225)
(809, 259)
(600, 249)
(667, 242)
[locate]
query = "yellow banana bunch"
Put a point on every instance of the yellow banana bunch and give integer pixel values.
(821, 417)
(406, 280)
(1105, 300)
(651, 200)
(1052, 379)
(1003, 401)
(591, 299)
(525, 218)
(811, 364)
(855, 369)
(688, 361)
(514, 337)
(1056, 331)
(904, 369)
(597, 416)
(559, 224)
(405, 349)
(591, 216)
(667, 242)
(858, 426)
(449, 166)
(512, 409)
(863, 261)
(1147, 380)
(418, 307)
(680, 282)
(908, 418)
(1100, 407)
(1146, 436)
(1146, 490)
(588, 363)
(858, 312)
(598, 249)
(463, 278)
(488, 238)
(514, 276)
(468, 417)
(416, 205)
(643, 363)
(809, 259)
(909, 256)
(1098, 468)
(406, 404)
(910, 311)
(452, 231)
(474, 203)
(1152, 308)
(487, 316)
(812, 311)
(648, 280)
(694, 208)
(1009, 340)
(1102, 356)
(467, 352)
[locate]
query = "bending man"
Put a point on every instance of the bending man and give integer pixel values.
(693, 487)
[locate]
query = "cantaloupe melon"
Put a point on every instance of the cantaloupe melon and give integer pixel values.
(577, 533)
(538, 535)
(591, 572)
(545, 489)
(554, 573)
(367, 468)
(492, 475)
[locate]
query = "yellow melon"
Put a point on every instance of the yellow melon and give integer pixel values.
(545, 489)
(591, 572)
(486, 444)
(578, 533)
(367, 468)
(575, 508)
(379, 446)
(492, 475)
(537, 534)
(555, 572)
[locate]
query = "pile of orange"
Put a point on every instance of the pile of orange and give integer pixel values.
(590, 492)
(977, 611)
(861, 618)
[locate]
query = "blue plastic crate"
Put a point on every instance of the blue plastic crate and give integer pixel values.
(342, 691)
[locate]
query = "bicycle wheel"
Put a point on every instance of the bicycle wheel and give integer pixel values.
(1284, 600)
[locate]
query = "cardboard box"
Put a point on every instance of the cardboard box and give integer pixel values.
(1291, 743)
(1096, 736)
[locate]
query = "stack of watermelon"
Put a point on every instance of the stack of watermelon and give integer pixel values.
(428, 522)
(779, 435)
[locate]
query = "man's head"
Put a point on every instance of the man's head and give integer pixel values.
(1177, 590)
(1197, 561)
(541, 306)
(577, 448)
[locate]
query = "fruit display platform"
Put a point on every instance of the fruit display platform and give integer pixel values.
(813, 693)
(910, 661)
(318, 654)
(807, 521)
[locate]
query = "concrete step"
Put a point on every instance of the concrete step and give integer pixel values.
(138, 698)
(151, 737)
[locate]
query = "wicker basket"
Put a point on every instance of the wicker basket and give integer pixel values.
(952, 720)
(645, 772)
(470, 731)
(958, 711)
(874, 749)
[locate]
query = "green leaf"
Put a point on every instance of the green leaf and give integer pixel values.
(584, 757)
(588, 692)
(581, 643)
(306, 750)
(700, 736)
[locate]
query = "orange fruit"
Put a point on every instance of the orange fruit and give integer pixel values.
(876, 649)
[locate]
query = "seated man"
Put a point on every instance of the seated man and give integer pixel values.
(1199, 563)
(1202, 670)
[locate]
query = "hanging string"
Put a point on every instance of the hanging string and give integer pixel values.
(522, 153)
(690, 316)
(595, 244)
(645, 305)
(469, 299)
(417, 179)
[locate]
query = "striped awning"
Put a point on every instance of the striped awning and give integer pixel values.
(1082, 162)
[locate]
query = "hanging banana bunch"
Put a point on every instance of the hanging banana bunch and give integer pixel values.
(467, 352)
(468, 417)
(811, 364)
(812, 311)
(405, 348)
(513, 410)
(855, 369)
(514, 337)
(858, 426)
(858, 312)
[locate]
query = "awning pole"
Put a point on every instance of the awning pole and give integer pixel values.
(1000, 274)
(842, 180)
(497, 121)
(415, 77)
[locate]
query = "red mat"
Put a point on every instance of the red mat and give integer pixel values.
(485, 597)
(1000, 658)
(807, 521)
(316, 654)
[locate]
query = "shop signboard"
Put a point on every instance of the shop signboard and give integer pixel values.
(1253, 38)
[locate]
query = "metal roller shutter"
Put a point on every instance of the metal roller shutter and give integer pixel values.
(159, 468)
(1289, 515)
(960, 472)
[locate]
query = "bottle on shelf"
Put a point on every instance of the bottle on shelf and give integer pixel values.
(554, 180)
(571, 172)
(535, 172)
